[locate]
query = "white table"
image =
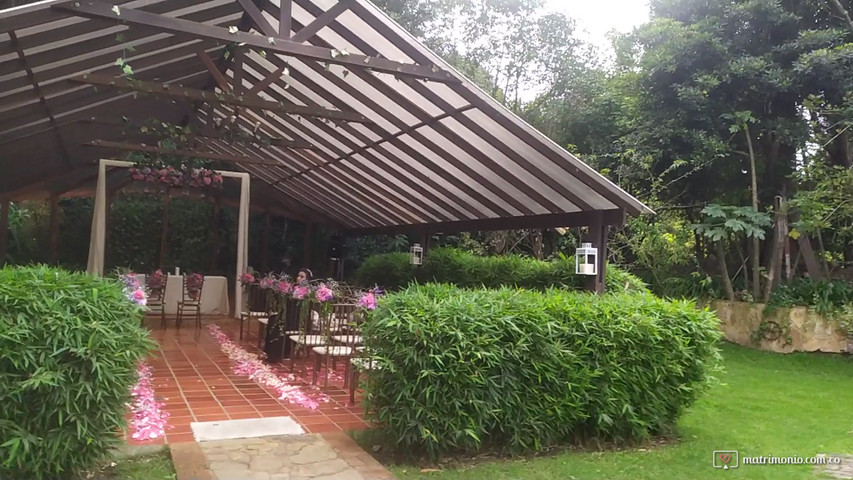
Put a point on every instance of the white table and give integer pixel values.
(214, 294)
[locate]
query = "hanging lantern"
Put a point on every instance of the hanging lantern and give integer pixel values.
(586, 260)
(417, 254)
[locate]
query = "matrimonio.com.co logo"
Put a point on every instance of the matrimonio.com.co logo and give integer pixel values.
(726, 459)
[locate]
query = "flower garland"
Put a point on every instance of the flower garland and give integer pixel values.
(171, 176)
(149, 420)
(249, 365)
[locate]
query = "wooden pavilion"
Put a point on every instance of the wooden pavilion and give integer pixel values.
(368, 130)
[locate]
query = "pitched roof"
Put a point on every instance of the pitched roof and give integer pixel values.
(365, 142)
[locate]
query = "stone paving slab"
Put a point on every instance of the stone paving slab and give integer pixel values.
(332, 456)
(843, 470)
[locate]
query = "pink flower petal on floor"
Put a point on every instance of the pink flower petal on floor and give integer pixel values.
(249, 365)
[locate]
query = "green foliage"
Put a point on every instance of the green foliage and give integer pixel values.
(448, 265)
(390, 270)
(826, 297)
(71, 344)
(724, 221)
(519, 370)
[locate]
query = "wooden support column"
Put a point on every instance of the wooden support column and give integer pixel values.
(306, 246)
(164, 231)
(598, 237)
(54, 229)
(425, 240)
(107, 209)
(4, 229)
(265, 249)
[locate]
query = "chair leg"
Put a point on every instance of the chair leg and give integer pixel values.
(316, 370)
(353, 384)
(163, 317)
(241, 328)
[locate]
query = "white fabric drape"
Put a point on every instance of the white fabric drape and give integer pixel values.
(96, 242)
(242, 243)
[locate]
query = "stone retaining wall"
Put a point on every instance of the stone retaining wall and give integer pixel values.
(809, 331)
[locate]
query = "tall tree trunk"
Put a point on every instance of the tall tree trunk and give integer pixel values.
(724, 271)
(756, 243)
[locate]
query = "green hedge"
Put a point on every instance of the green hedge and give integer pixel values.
(520, 370)
(446, 265)
(70, 346)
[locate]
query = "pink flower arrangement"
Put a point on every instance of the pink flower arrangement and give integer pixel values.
(133, 290)
(324, 294)
(155, 280)
(194, 283)
(282, 286)
(248, 364)
(267, 282)
(300, 293)
(149, 420)
(247, 279)
(367, 301)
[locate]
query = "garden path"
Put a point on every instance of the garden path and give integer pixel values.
(327, 456)
(196, 382)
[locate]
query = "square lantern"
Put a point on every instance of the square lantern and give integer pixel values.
(586, 260)
(416, 254)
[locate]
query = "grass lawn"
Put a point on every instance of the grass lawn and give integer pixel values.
(156, 466)
(769, 404)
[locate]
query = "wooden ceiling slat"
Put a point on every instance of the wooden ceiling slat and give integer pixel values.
(313, 200)
(459, 141)
(288, 125)
(506, 119)
(183, 93)
(329, 132)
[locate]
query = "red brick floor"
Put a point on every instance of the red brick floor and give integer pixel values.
(193, 377)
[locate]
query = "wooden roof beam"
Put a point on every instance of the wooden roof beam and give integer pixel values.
(283, 46)
(181, 153)
(207, 133)
(195, 95)
(552, 220)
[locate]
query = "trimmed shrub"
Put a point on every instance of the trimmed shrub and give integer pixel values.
(520, 370)
(70, 344)
(393, 269)
(447, 265)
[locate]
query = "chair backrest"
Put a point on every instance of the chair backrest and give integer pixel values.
(156, 295)
(340, 321)
(192, 292)
(259, 299)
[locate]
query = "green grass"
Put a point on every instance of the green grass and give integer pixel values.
(767, 404)
(156, 466)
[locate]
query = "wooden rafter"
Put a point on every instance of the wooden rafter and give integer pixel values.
(226, 98)
(181, 153)
(217, 75)
(285, 18)
(326, 18)
(389, 138)
(206, 133)
(257, 17)
(13, 38)
(92, 9)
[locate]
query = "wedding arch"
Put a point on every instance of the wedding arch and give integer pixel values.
(96, 244)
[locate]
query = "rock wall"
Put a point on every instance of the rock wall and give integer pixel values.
(809, 331)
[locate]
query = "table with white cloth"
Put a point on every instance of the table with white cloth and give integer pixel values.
(214, 294)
